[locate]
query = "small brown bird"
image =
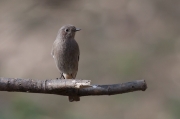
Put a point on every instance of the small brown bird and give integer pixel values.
(65, 52)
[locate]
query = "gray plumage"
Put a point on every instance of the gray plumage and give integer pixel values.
(66, 52)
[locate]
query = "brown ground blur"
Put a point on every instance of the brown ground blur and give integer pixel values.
(120, 41)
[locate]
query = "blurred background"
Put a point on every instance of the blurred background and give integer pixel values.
(120, 41)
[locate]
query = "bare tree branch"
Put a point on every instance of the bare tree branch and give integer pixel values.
(69, 87)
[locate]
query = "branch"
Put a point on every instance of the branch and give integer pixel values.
(69, 87)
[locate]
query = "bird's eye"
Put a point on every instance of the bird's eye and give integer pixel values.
(66, 30)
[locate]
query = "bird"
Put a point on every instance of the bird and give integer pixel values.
(65, 52)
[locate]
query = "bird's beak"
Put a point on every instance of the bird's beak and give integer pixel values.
(77, 29)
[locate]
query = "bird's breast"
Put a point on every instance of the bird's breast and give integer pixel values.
(66, 56)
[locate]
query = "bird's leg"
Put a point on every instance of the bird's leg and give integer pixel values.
(62, 76)
(72, 76)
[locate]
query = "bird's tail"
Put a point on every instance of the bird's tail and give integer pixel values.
(71, 98)
(74, 98)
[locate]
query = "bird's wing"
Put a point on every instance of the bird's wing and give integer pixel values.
(78, 53)
(52, 51)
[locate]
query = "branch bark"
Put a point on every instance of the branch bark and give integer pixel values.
(69, 87)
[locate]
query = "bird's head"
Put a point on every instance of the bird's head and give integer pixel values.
(68, 31)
